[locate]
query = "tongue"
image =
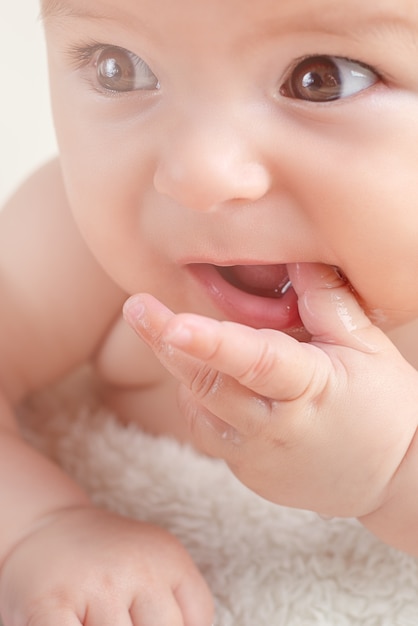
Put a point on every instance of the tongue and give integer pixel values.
(269, 281)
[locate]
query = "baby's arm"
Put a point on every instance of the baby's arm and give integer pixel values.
(62, 561)
(328, 425)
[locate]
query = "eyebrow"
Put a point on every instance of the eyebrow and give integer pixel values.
(396, 22)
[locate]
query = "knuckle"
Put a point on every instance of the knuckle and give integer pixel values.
(41, 608)
(261, 369)
(205, 382)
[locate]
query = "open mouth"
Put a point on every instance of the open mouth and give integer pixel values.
(260, 296)
(266, 281)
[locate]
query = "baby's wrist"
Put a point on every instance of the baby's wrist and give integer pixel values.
(395, 521)
(40, 523)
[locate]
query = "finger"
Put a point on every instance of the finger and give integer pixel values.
(157, 610)
(148, 318)
(195, 600)
(216, 392)
(210, 433)
(330, 310)
(108, 614)
(267, 362)
(194, 609)
(256, 366)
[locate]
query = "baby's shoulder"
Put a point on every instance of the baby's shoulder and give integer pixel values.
(56, 301)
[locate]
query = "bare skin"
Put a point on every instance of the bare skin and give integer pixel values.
(52, 506)
(245, 196)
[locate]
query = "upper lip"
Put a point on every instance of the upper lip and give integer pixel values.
(231, 262)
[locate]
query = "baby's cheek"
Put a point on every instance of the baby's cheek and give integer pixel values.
(391, 321)
(388, 301)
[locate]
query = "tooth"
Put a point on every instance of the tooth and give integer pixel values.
(286, 287)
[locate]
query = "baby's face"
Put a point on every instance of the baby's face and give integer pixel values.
(203, 134)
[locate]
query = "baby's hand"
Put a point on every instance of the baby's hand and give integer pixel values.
(323, 425)
(90, 567)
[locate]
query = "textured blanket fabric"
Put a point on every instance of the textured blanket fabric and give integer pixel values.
(267, 565)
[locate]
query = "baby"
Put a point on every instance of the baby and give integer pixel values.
(240, 179)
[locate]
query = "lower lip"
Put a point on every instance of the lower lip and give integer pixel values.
(245, 308)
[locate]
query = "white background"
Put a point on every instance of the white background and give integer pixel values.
(26, 131)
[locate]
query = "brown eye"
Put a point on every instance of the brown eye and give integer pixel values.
(326, 78)
(120, 70)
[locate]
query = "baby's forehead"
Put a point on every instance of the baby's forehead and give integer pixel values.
(328, 13)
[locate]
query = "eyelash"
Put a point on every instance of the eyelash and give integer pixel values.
(82, 55)
(321, 79)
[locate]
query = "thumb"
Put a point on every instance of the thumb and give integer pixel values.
(329, 309)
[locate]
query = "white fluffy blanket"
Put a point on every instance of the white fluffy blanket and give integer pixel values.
(266, 565)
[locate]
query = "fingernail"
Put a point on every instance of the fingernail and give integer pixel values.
(134, 310)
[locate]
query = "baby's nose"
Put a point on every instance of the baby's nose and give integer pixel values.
(204, 167)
